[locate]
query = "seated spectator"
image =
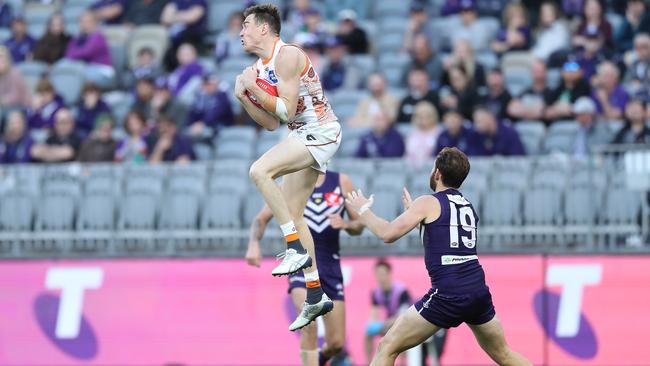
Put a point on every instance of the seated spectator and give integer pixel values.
(515, 32)
(594, 33)
(100, 146)
(109, 11)
(637, 76)
(423, 57)
(163, 103)
(418, 90)
(497, 137)
(592, 132)
(51, 47)
(463, 55)
(45, 105)
(462, 95)
(486, 8)
(186, 78)
(16, 144)
(352, 36)
(90, 109)
(211, 108)
(378, 98)
(530, 105)
(457, 134)
(187, 23)
(383, 141)
(295, 17)
(469, 29)
(636, 130)
(572, 87)
(418, 24)
(63, 143)
(91, 48)
(133, 148)
(338, 71)
(552, 34)
(573, 8)
(228, 43)
(145, 66)
(636, 22)
(609, 95)
(498, 97)
(169, 144)
(145, 90)
(424, 136)
(14, 91)
(141, 12)
(21, 44)
(6, 14)
(313, 32)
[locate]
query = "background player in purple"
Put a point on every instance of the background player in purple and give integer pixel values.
(324, 215)
(458, 291)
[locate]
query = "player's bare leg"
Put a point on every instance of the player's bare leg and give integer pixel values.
(409, 330)
(334, 331)
(308, 334)
(493, 341)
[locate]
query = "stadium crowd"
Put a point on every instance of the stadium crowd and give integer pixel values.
(458, 73)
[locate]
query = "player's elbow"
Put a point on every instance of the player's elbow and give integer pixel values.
(388, 238)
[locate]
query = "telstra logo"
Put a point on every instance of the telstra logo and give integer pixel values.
(561, 315)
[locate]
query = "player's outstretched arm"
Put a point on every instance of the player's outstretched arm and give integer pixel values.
(423, 208)
(353, 226)
(260, 116)
(258, 226)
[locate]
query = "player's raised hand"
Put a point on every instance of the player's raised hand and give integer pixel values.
(240, 90)
(249, 77)
(406, 198)
(358, 202)
(253, 254)
(337, 222)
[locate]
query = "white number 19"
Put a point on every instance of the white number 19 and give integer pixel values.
(468, 223)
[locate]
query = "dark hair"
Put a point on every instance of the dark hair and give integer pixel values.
(266, 13)
(137, 114)
(90, 87)
(382, 262)
(145, 50)
(453, 165)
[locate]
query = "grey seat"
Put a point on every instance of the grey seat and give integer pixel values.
(622, 207)
(387, 204)
(563, 143)
(196, 170)
(144, 184)
(221, 210)
(186, 183)
(585, 179)
(509, 179)
(359, 180)
(581, 206)
(96, 212)
(101, 185)
(392, 165)
(389, 182)
(150, 171)
(231, 167)
(119, 102)
(531, 133)
(62, 186)
(16, 211)
(476, 180)
(138, 211)
(227, 183)
(253, 204)
(234, 150)
(180, 210)
(218, 14)
(502, 207)
(549, 179)
(68, 78)
(56, 212)
(542, 206)
(390, 9)
(242, 134)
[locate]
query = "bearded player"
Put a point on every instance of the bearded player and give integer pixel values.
(283, 87)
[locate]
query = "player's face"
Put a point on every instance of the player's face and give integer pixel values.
(251, 32)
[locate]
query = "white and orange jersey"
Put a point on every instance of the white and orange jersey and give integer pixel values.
(313, 108)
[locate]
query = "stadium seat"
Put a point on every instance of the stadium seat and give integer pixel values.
(581, 206)
(391, 165)
(120, 103)
(516, 60)
(70, 187)
(387, 204)
(218, 14)
(203, 151)
(96, 212)
(509, 179)
(391, 9)
(5, 34)
(68, 79)
(531, 134)
(186, 183)
(101, 185)
(240, 134)
(586, 178)
(231, 167)
(180, 210)
(138, 211)
(476, 180)
(56, 212)
(350, 166)
(221, 210)
(517, 80)
(155, 37)
(152, 171)
(502, 207)
(389, 44)
(542, 206)
(549, 179)
(349, 147)
(16, 211)
(253, 204)
(33, 71)
(234, 150)
(148, 184)
(235, 64)
(229, 183)
(559, 143)
(622, 207)
(389, 181)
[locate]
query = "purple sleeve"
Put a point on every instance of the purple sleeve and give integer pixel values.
(92, 47)
(516, 147)
(396, 145)
(362, 151)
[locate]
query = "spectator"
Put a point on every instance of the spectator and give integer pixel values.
(463, 55)
(133, 148)
(592, 132)
(352, 36)
(531, 104)
(100, 147)
(228, 43)
(21, 44)
(552, 34)
(163, 103)
(423, 57)
(422, 140)
(91, 48)
(638, 73)
(609, 95)
(515, 32)
(636, 22)
(141, 12)
(169, 145)
(186, 78)
(572, 87)
(456, 134)
(469, 29)
(339, 71)
(462, 95)
(573, 8)
(145, 89)
(51, 47)
(497, 137)
(45, 105)
(378, 98)
(14, 91)
(594, 32)
(187, 23)
(90, 109)
(145, 66)
(636, 130)
(418, 24)
(297, 12)
(418, 90)
(6, 14)
(109, 11)
(211, 108)
(63, 143)
(383, 141)
(16, 143)
(313, 32)
(498, 97)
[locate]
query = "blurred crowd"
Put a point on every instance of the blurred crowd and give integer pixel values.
(427, 74)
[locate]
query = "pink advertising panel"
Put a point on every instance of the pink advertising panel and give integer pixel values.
(556, 311)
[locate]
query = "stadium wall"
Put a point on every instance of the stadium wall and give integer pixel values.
(557, 310)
